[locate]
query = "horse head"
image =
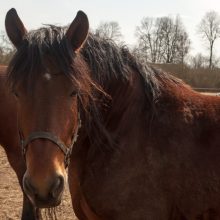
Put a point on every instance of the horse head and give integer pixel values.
(49, 81)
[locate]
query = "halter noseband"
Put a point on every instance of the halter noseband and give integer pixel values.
(53, 138)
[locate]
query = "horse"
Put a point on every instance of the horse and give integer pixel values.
(9, 140)
(138, 142)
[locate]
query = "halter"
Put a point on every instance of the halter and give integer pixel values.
(67, 150)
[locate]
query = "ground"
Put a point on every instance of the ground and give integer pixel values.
(11, 196)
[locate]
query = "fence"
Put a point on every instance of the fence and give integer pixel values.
(211, 90)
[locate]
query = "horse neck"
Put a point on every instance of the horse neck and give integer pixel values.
(126, 109)
(8, 113)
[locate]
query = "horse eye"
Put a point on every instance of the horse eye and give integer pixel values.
(15, 94)
(73, 93)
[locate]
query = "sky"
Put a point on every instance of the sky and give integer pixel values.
(126, 12)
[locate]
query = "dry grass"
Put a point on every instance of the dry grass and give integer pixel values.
(197, 78)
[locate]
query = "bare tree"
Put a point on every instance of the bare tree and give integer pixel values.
(109, 30)
(6, 49)
(163, 40)
(150, 39)
(209, 30)
(198, 61)
(176, 42)
(183, 47)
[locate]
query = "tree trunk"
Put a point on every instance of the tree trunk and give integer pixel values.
(211, 54)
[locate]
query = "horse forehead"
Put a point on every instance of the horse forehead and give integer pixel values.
(47, 76)
(59, 83)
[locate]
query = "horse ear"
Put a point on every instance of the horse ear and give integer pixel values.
(78, 30)
(14, 27)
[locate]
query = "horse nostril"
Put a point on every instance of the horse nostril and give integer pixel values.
(57, 187)
(28, 188)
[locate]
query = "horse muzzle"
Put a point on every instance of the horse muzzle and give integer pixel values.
(45, 196)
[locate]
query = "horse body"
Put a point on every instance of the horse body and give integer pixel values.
(9, 140)
(7, 101)
(165, 167)
(148, 145)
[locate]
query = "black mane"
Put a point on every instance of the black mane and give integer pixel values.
(108, 61)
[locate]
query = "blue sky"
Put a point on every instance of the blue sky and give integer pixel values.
(126, 12)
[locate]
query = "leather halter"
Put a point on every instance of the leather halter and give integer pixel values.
(67, 150)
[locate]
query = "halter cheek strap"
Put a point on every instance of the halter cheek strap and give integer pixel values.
(67, 150)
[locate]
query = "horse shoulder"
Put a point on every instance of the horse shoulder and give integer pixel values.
(79, 203)
(87, 210)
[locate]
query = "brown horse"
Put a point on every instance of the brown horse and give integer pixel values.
(148, 145)
(9, 140)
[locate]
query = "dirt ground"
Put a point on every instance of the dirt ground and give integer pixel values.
(11, 196)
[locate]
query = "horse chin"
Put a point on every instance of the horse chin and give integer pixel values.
(52, 205)
(46, 203)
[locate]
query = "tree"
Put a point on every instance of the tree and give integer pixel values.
(6, 49)
(183, 47)
(209, 30)
(150, 39)
(109, 30)
(198, 61)
(163, 40)
(176, 42)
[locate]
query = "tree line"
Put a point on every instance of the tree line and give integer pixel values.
(161, 40)
(165, 40)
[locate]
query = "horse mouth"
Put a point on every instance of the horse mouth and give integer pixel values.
(49, 203)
